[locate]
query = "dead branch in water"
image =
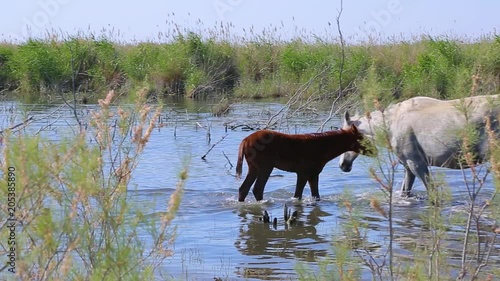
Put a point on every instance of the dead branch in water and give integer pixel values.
(207, 130)
(213, 145)
(24, 123)
(228, 161)
(244, 127)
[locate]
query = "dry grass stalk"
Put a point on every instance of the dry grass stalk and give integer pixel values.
(385, 186)
(375, 204)
(476, 79)
(494, 146)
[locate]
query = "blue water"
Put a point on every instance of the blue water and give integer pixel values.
(216, 236)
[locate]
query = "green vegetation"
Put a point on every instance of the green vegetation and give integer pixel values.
(195, 66)
(73, 219)
(77, 223)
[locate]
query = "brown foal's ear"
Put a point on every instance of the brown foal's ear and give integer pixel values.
(354, 129)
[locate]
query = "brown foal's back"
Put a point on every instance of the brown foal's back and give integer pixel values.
(304, 154)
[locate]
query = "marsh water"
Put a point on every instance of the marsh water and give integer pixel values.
(218, 237)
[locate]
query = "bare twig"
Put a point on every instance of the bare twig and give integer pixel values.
(293, 99)
(73, 89)
(340, 93)
(245, 127)
(213, 145)
(228, 161)
(24, 123)
(48, 125)
(342, 49)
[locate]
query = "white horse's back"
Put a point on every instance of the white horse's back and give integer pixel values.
(429, 132)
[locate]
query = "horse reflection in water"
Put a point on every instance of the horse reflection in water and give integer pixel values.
(290, 242)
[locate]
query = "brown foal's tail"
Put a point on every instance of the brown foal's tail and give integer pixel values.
(240, 160)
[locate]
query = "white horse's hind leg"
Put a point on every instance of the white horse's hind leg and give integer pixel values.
(407, 183)
(419, 169)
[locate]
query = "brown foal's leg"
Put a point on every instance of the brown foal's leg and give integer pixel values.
(258, 189)
(247, 183)
(313, 184)
(299, 188)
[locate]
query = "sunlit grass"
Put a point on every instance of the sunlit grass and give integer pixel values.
(208, 61)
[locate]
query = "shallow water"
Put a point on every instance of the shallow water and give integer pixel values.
(220, 237)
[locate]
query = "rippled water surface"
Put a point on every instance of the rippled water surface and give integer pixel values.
(219, 237)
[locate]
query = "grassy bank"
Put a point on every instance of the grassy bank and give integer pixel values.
(196, 66)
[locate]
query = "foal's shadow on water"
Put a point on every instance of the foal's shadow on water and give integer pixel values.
(297, 240)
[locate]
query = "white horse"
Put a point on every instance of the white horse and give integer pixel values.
(429, 132)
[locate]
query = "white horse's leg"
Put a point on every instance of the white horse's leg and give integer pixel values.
(419, 168)
(407, 183)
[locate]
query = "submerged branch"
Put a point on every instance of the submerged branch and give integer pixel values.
(213, 145)
(24, 123)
